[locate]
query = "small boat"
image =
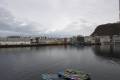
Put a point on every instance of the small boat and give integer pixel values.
(68, 74)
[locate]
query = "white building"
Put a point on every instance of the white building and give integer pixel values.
(89, 39)
(98, 39)
(14, 41)
(105, 40)
(116, 39)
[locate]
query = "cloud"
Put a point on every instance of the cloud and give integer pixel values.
(76, 27)
(55, 17)
(10, 26)
(80, 28)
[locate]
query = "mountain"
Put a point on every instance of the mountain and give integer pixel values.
(107, 29)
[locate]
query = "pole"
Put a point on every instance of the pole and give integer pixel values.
(119, 10)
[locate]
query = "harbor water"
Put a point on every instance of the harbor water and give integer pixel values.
(101, 62)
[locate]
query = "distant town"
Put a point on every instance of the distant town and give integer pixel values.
(94, 39)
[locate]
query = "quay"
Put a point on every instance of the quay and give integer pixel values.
(31, 41)
(28, 45)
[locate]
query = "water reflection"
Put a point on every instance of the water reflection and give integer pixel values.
(108, 52)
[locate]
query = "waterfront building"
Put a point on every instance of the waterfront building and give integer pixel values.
(38, 40)
(77, 40)
(14, 40)
(73, 39)
(48, 40)
(80, 39)
(116, 39)
(105, 40)
(89, 40)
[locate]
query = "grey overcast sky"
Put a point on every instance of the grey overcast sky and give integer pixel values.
(56, 17)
